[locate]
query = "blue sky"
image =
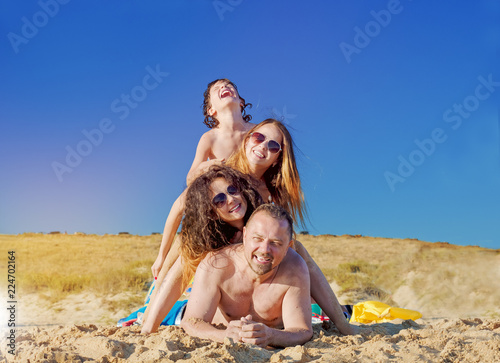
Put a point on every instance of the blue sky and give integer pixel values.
(361, 85)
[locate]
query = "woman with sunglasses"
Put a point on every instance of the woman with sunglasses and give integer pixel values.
(218, 205)
(267, 156)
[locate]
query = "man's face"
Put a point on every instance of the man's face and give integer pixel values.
(221, 93)
(266, 241)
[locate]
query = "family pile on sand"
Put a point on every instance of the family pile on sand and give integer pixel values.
(237, 240)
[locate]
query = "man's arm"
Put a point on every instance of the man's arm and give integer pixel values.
(203, 301)
(296, 312)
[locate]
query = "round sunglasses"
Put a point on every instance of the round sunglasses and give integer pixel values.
(220, 199)
(258, 138)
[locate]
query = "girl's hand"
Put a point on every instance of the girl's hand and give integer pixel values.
(156, 268)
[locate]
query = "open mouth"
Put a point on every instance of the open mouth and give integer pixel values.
(236, 208)
(259, 154)
(263, 259)
(225, 93)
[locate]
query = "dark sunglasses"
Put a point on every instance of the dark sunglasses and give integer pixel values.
(221, 198)
(258, 138)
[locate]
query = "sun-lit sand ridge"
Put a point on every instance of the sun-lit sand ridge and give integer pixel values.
(78, 281)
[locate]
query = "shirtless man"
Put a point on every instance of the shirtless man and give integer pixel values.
(258, 289)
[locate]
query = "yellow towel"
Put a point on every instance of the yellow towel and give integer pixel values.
(375, 311)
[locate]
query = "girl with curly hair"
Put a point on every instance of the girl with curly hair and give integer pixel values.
(218, 205)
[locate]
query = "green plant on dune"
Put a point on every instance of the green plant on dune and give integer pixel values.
(354, 274)
(358, 280)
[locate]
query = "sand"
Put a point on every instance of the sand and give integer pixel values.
(457, 340)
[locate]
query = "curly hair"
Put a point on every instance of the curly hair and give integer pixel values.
(282, 179)
(211, 121)
(202, 229)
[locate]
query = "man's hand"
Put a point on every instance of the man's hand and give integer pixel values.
(255, 333)
(233, 330)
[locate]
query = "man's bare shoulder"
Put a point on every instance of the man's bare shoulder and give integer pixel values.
(219, 261)
(294, 266)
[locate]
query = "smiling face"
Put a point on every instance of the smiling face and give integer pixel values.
(266, 241)
(222, 93)
(259, 154)
(234, 209)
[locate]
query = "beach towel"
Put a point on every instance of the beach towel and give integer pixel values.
(173, 317)
(319, 316)
(378, 312)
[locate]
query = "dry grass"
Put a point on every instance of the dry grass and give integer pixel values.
(57, 265)
(438, 279)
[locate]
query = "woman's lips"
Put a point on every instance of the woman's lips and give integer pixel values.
(259, 154)
(236, 208)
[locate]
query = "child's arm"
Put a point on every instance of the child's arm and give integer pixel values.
(203, 152)
(171, 225)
